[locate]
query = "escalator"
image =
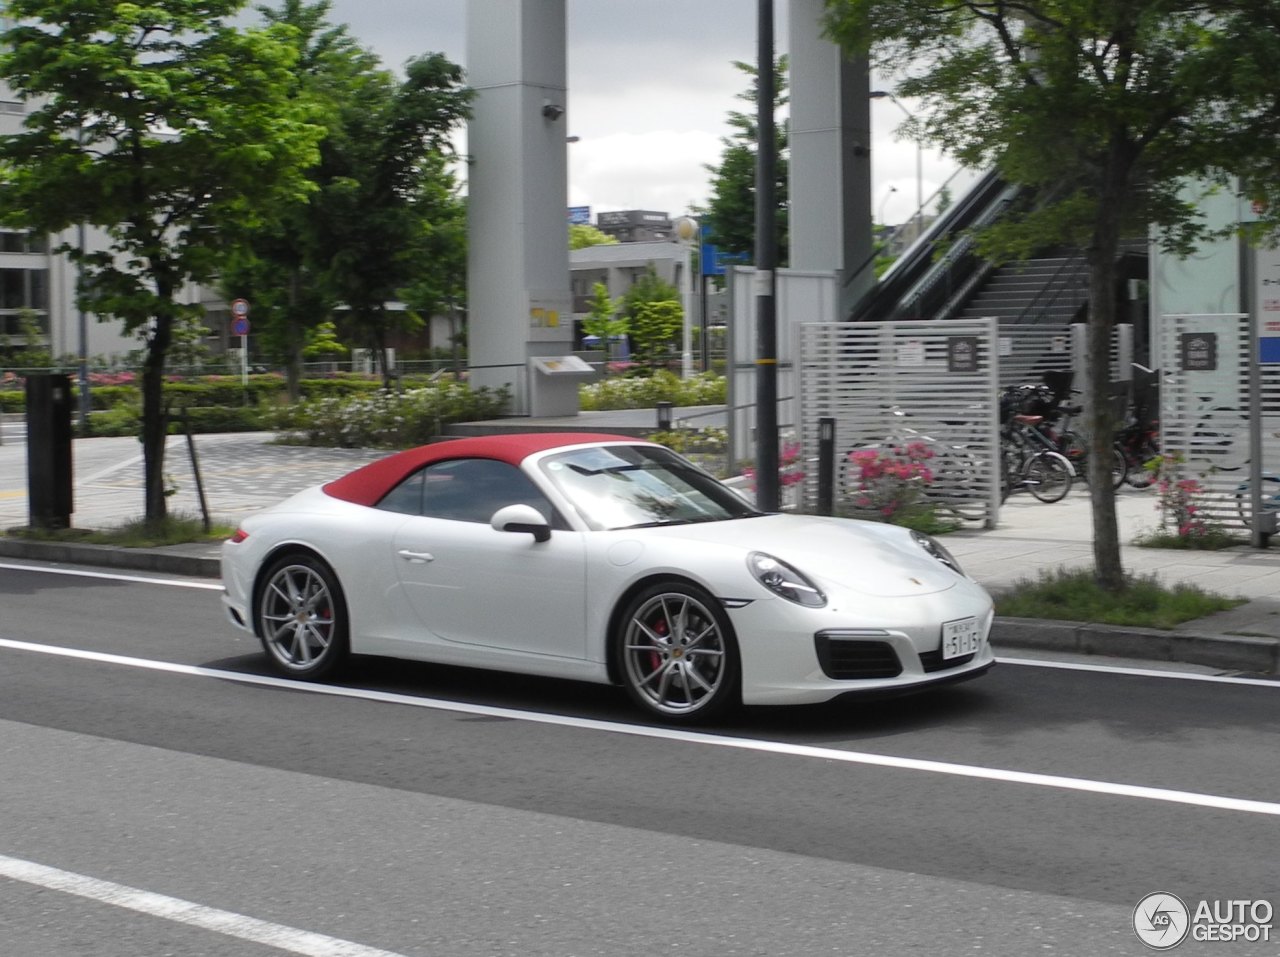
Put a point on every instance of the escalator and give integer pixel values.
(924, 285)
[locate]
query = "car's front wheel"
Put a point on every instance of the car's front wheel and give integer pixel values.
(677, 653)
(302, 617)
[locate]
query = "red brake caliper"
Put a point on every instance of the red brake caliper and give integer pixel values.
(660, 629)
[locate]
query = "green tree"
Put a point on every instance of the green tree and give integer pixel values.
(582, 235)
(167, 128)
(437, 267)
(652, 310)
(1156, 94)
(731, 212)
(281, 269)
(603, 318)
(386, 172)
(323, 343)
(35, 353)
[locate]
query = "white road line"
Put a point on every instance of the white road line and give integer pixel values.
(115, 576)
(1021, 662)
(180, 911)
(1108, 788)
(1139, 672)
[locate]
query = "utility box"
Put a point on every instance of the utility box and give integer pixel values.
(49, 450)
(553, 386)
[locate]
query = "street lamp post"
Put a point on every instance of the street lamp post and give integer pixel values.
(919, 216)
(686, 230)
(880, 215)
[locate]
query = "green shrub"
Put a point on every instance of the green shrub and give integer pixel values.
(103, 397)
(118, 420)
(340, 386)
(13, 400)
(645, 392)
(127, 420)
(385, 419)
(224, 391)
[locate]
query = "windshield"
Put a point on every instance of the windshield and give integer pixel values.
(632, 486)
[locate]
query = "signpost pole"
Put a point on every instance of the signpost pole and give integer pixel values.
(240, 327)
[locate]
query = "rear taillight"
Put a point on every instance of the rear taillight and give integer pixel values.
(238, 537)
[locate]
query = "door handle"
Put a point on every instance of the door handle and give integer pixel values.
(420, 558)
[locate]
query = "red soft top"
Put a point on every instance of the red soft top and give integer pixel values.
(367, 485)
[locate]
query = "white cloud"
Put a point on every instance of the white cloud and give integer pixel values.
(651, 84)
(659, 169)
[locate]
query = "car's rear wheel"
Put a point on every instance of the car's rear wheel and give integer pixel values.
(302, 617)
(677, 653)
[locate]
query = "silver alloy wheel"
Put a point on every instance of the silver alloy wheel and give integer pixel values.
(675, 654)
(298, 617)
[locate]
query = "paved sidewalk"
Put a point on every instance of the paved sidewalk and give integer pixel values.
(243, 473)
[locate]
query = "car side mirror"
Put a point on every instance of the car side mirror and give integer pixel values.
(521, 518)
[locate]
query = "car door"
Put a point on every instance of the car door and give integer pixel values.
(471, 584)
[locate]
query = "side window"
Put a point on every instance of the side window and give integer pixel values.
(405, 497)
(471, 490)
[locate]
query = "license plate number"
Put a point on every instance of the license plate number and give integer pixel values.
(960, 638)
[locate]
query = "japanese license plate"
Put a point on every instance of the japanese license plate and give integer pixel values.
(960, 638)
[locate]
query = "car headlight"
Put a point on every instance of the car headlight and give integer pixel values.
(784, 581)
(934, 548)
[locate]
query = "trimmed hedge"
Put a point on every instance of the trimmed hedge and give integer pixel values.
(386, 420)
(127, 420)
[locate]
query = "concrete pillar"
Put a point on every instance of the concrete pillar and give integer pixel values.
(830, 186)
(518, 290)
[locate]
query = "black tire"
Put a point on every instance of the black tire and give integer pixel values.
(1010, 472)
(1139, 476)
(1270, 499)
(1076, 451)
(1119, 468)
(1048, 476)
(301, 617)
(1072, 445)
(677, 655)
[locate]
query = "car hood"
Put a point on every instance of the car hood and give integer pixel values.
(867, 557)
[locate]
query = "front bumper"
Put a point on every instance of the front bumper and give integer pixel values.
(888, 647)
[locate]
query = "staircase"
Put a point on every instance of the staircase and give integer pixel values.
(1048, 291)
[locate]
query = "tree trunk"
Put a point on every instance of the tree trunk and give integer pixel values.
(1108, 570)
(294, 337)
(380, 348)
(155, 425)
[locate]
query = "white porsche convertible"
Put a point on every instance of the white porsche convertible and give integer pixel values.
(600, 558)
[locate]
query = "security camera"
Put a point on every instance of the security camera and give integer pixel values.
(552, 111)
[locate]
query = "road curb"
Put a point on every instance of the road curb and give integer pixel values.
(108, 556)
(1227, 652)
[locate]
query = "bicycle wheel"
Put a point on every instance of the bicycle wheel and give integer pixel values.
(1072, 445)
(1010, 471)
(956, 476)
(1048, 476)
(1270, 498)
(1139, 476)
(1221, 440)
(1119, 467)
(1074, 448)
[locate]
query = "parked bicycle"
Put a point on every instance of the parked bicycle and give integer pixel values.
(1136, 443)
(1026, 465)
(955, 471)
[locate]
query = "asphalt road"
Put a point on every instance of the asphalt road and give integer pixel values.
(162, 795)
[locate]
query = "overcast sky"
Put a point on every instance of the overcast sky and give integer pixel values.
(650, 85)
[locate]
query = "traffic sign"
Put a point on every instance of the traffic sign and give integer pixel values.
(239, 307)
(239, 326)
